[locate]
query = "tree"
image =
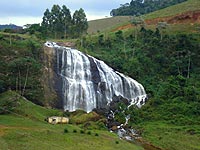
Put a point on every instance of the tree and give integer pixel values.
(137, 21)
(19, 71)
(59, 21)
(80, 22)
(140, 7)
(46, 21)
(56, 19)
(66, 19)
(162, 26)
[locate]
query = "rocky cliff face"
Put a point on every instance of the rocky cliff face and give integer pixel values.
(78, 81)
(51, 80)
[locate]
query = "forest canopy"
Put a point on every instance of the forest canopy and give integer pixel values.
(140, 7)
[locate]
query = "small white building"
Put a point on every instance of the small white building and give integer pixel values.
(57, 120)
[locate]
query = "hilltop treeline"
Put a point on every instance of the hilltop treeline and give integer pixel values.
(59, 23)
(140, 7)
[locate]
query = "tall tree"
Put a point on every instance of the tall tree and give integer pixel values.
(46, 21)
(162, 26)
(59, 21)
(56, 19)
(80, 22)
(66, 19)
(137, 21)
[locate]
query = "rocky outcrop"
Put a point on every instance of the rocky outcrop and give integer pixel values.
(50, 79)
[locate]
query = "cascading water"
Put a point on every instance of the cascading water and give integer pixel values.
(89, 83)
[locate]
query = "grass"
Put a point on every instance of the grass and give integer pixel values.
(190, 5)
(112, 23)
(28, 109)
(107, 24)
(25, 128)
(170, 136)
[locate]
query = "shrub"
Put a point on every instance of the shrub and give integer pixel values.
(66, 131)
(75, 131)
(89, 133)
(117, 142)
(96, 134)
(82, 132)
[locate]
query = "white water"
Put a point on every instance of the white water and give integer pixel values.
(89, 83)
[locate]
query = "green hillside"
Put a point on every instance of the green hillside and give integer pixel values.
(102, 25)
(108, 24)
(23, 127)
(189, 5)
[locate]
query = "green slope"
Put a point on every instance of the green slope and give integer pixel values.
(102, 25)
(190, 5)
(24, 128)
(108, 24)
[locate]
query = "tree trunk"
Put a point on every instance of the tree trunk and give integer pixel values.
(25, 81)
(136, 33)
(16, 88)
(125, 49)
(65, 30)
(20, 90)
(189, 62)
(10, 39)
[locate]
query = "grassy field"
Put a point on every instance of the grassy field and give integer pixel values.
(172, 137)
(25, 128)
(107, 24)
(190, 5)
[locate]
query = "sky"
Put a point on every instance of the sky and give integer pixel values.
(22, 12)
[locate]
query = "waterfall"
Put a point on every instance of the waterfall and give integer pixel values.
(89, 83)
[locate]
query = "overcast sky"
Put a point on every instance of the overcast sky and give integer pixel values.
(21, 12)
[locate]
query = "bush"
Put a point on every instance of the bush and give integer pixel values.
(96, 134)
(82, 132)
(117, 142)
(75, 131)
(89, 133)
(66, 131)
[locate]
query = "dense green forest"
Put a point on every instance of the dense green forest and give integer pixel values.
(167, 65)
(21, 66)
(140, 7)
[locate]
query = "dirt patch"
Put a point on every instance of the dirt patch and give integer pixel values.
(123, 27)
(67, 44)
(187, 17)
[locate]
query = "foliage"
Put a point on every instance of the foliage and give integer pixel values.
(140, 7)
(8, 103)
(12, 103)
(187, 6)
(59, 21)
(167, 67)
(20, 68)
(66, 130)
